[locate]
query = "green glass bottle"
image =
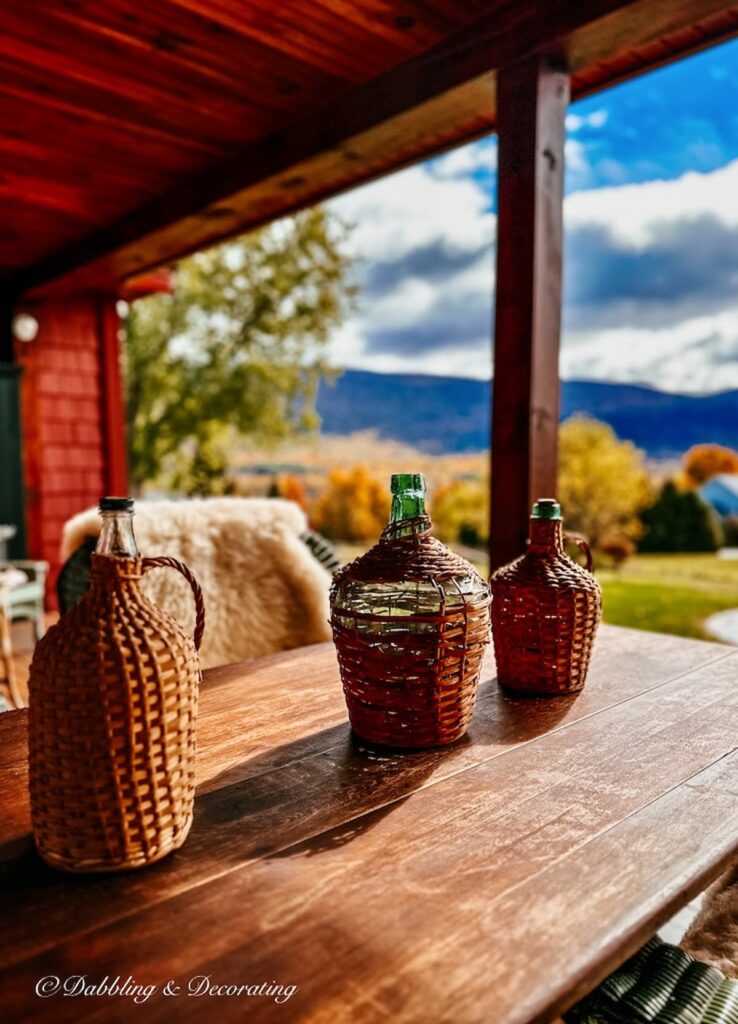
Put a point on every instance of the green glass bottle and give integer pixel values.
(410, 621)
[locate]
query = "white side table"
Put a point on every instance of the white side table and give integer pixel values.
(9, 578)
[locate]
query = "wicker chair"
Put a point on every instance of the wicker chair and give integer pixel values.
(20, 599)
(27, 600)
(661, 984)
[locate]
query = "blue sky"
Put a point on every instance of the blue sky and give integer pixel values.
(651, 250)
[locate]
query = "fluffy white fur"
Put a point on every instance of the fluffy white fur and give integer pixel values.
(713, 935)
(264, 591)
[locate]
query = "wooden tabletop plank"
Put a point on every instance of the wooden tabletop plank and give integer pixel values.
(370, 916)
(277, 766)
(527, 956)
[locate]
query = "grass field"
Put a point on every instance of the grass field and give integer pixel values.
(669, 593)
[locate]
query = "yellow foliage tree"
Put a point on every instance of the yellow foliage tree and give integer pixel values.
(603, 484)
(354, 506)
(460, 512)
(704, 461)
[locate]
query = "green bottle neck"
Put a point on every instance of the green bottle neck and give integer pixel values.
(407, 505)
(408, 496)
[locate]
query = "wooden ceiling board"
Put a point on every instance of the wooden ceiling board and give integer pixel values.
(134, 133)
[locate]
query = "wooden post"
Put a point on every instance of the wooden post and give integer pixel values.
(532, 98)
(12, 492)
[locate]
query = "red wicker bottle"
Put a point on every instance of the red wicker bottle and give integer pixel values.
(113, 703)
(545, 611)
(410, 622)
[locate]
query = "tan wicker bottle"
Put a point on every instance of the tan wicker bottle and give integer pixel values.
(545, 611)
(113, 702)
(410, 622)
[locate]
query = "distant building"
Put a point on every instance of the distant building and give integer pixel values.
(722, 494)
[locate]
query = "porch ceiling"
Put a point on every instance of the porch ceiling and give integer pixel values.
(132, 133)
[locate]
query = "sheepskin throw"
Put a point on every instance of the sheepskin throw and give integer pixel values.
(713, 935)
(264, 591)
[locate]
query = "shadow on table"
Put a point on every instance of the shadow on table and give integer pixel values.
(324, 783)
(271, 805)
(520, 719)
(321, 790)
(301, 799)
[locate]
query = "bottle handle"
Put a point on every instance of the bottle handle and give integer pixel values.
(165, 562)
(583, 544)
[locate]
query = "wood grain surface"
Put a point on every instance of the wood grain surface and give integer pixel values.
(494, 881)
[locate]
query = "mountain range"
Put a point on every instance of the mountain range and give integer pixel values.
(450, 414)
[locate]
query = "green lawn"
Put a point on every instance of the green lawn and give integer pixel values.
(669, 593)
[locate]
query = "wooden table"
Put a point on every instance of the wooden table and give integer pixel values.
(497, 881)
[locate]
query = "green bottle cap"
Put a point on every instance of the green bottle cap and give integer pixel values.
(407, 482)
(546, 508)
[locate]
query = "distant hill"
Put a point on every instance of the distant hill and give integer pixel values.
(448, 414)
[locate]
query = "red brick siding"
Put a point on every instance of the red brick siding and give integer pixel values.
(65, 422)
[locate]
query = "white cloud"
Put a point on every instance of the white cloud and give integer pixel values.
(430, 232)
(634, 213)
(418, 211)
(413, 209)
(575, 154)
(597, 119)
(698, 355)
(480, 156)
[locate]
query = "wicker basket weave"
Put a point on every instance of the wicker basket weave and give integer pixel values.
(410, 622)
(545, 613)
(661, 984)
(113, 702)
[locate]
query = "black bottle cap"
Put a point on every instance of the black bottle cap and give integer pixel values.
(115, 505)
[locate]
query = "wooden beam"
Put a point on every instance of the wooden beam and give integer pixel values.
(418, 108)
(532, 99)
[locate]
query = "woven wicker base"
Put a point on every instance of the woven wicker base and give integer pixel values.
(130, 863)
(402, 731)
(410, 624)
(545, 614)
(112, 714)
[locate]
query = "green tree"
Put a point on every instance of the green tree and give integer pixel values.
(239, 348)
(680, 521)
(603, 484)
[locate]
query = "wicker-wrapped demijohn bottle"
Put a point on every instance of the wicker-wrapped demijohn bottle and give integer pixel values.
(545, 611)
(410, 622)
(112, 707)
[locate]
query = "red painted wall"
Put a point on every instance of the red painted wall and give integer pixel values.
(74, 441)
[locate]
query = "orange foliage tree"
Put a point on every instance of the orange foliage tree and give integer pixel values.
(354, 506)
(290, 487)
(704, 461)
